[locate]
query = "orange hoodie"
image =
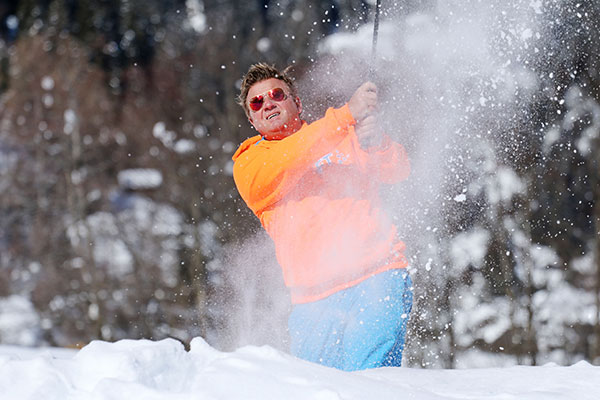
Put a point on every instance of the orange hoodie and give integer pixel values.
(316, 194)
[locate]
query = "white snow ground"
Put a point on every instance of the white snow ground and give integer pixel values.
(142, 369)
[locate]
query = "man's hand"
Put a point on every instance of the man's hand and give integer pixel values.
(368, 132)
(364, 101)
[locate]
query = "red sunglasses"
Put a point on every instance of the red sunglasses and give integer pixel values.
(257, 102)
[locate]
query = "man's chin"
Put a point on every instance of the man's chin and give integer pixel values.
(277, 135)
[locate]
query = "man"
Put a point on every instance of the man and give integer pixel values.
(314, 188)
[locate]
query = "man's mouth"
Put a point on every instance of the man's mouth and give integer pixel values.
(272, 115)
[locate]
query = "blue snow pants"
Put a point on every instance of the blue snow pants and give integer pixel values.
(361, 327)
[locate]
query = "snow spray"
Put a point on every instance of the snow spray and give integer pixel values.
(252, 303)
(455, 81)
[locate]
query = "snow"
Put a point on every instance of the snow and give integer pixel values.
(144, 369)
(17, 315)
(12, 22)
(160, 132)
(184, 146)
(138, 223)
(469, 248)
(70, 121)
(263, 44)
(565, 304)
(47, 83)
(507, 184)
(487, 321)
(537, 6)
(551, 137)
(460, 198)
(140, 178)
(579, 108)
(196, 17)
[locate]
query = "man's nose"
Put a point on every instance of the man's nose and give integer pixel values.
(269, 103)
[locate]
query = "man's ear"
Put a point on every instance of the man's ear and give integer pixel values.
(251, 122)
(298, 104)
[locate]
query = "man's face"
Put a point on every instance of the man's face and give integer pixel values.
(275, 119)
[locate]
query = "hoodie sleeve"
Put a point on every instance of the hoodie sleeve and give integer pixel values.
(268, 170)
(389, 160)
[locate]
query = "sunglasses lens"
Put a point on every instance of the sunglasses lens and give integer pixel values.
(277, 94)
(256, 103)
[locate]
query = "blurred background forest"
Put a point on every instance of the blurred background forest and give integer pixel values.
(118, 213)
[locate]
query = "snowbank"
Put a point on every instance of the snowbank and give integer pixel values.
(142, 369)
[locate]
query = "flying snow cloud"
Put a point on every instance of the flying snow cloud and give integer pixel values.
(453, 80)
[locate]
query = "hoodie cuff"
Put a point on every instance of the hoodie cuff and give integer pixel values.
(344, 116)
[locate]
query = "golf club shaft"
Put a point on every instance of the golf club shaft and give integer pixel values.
(374, 45)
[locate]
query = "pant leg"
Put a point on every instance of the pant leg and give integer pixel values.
(394, 355)
(361, 327)
(375, 335)
(316, 330)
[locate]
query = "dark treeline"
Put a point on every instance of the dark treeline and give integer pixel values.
(90, 89)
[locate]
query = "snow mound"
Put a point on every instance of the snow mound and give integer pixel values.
(143, 369)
